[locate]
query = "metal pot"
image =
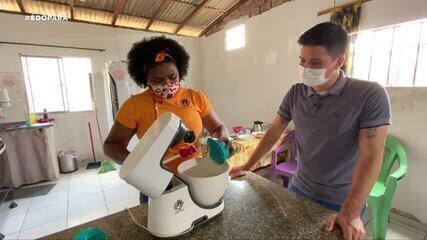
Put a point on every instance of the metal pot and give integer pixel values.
(67, 161)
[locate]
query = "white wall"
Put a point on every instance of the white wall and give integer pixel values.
(248, 84)
(71, 130)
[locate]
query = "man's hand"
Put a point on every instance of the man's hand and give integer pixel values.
(238, 171)
(352, 228)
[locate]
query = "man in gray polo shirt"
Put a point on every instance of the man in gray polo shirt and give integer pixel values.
(341, 126)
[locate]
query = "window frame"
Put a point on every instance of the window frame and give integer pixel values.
(420, 23)
(62, 82)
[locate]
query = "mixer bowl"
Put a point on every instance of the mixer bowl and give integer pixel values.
(206, 179)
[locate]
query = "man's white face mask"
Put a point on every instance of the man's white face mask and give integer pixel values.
(313, 77)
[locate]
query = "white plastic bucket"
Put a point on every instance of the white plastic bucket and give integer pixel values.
(207, 180)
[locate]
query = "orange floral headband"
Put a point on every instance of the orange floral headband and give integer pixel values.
(160, 57)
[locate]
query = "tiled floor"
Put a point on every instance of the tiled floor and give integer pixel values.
(76, 198)
(85, 195)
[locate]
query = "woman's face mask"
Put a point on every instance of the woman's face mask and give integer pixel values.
(313, 77)
(165, 91)
(163, 80)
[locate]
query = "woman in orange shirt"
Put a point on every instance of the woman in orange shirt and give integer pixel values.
(160, 64)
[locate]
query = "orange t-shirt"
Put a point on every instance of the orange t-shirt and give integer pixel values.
(140, 111)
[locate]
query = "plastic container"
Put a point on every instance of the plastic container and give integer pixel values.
(207, 180)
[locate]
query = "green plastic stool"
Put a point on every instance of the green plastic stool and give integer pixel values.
(382, 193)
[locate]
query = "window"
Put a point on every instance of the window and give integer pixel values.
(57, 84)
(394, 56)
(235, 38)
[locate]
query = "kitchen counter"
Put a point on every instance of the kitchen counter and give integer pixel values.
(29, 149)
(13, 127)
(255, 208)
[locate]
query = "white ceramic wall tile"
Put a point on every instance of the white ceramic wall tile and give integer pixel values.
(52, 198)
(80, 146)
(85, 209)
(43, 230)
(121, 205)
(122, 193)
(23, 206)
(11, 224)
(64, 132)
(45, 215)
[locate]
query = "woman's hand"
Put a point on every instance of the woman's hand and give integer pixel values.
(228, 144)
(217, 129)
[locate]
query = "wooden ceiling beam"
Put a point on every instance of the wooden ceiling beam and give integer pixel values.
(21, 6)
(97, 9)
(231, 9)
(158, 12)
(196, 5)
(120, 4)
(72, 10)
(329, 10)
(191, 16)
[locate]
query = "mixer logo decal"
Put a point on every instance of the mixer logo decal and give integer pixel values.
(178, 205)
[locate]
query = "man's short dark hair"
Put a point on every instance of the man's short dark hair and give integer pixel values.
(141, 57)
(329, 35)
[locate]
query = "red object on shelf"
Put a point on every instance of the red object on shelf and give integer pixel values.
(42, 120)
(238, 128)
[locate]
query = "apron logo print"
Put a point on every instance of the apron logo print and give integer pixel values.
(184, 102)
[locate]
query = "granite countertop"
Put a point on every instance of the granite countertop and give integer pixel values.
(255, 208)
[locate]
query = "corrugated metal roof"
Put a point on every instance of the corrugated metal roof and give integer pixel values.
(61, 1)
(96, 16)
(9, 5)
(161, 26)
(143, 8)
(220, 4)
(192, 1)
(107, 5)
(190, 31)
(133, 22)
(135, 14)
(176, 12)
(46, 8)
(203, 18)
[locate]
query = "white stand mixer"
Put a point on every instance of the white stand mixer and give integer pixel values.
(175, 211)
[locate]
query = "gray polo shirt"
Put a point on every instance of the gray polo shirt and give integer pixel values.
(327, 131)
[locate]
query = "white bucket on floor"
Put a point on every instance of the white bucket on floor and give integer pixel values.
(207, 180)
